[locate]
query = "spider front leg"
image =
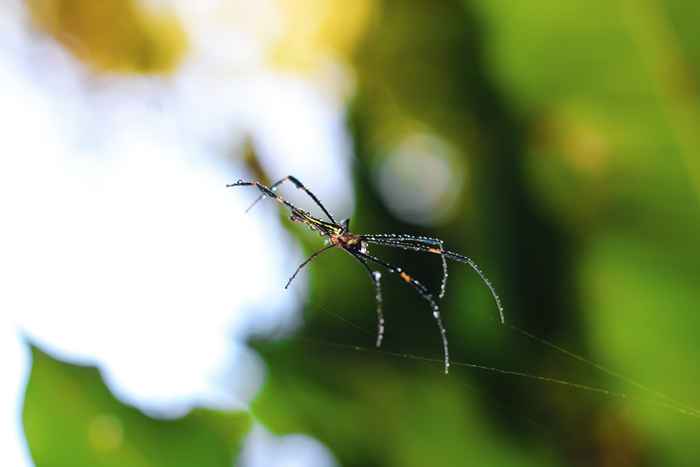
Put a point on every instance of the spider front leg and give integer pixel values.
(299, 186)
(423, 292)
(266, 191)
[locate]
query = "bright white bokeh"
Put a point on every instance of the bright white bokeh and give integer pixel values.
(407, 192)
(120, 245)
(264, 449)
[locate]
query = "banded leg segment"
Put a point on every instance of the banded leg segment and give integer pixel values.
(423, 292)
(416, 243)
(299, 186)
(269, 193)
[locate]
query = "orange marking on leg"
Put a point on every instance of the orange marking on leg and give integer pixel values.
(405, 277)
(435, 250)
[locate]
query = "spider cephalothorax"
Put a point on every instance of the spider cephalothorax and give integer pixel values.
(338, 235)
(349, 241)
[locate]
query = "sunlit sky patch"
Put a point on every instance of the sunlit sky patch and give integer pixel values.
(121, 246)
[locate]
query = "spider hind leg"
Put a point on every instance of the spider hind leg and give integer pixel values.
(376, 277)
(423, 292)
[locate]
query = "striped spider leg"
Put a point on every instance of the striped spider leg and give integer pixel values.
(414, 242)
(423, 292)
(427, 245)
(376, 277)
(299, 186)
(338, 235)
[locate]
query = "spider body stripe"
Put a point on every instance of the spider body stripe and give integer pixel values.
(319, 225)
(338, 235)
(295, 181)
(298, 215)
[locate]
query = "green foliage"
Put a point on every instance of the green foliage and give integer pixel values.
(72, 419)
(577, 122)
(642, 320)
(401, 415)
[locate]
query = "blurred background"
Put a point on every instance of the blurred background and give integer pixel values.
(143, 316)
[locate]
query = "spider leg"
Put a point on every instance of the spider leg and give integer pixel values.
(266, 191)
(417, 243)
(465, 259)
(299, 186)
(308, 260)
(375, 276)
(423, 292)
(416, 246)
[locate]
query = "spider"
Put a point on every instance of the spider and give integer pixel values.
(338, 235)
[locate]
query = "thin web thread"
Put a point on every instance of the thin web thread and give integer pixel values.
(543, 379)
(607, 371)
(668, 403)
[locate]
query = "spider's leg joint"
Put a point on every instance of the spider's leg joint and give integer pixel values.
(239, 182)
(266, 190)
(295, 181)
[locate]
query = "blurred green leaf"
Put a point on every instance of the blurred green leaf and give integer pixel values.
(610, 91)
(71, 419)
(407, 414)
(643, 319)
